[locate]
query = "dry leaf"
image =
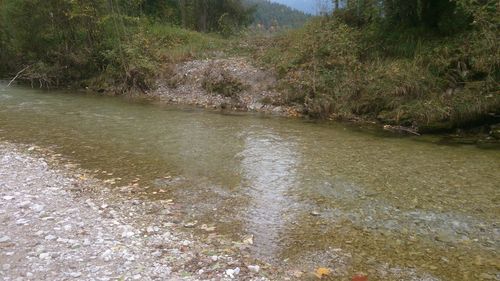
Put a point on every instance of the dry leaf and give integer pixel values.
(321, 272)
(248, 240)
(360, 277)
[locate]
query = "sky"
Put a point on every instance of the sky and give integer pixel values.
(309, 6)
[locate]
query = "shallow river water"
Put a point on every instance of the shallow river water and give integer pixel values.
(311, 194)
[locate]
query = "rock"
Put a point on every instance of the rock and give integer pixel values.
(44, 256)
(24, 204)
(190, 224)
(8, 198)
(4, 239)
(107, 255)
(6, 266)
(495, 131)
(315, 213)
(254, 268)
(50, 237)
(21, 221)
(152, 229)
(231, 273)
(75, 274)
(127, 234)
(37, 207)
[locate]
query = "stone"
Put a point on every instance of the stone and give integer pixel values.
(22, 221)
(254, 268)
(75, 274)
(315, 213)
(44, 256)
(24, 204)
(50, 237)
(128, 234)
(37, 207)
(4, 239)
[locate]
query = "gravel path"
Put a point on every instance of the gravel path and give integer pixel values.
(56, 223)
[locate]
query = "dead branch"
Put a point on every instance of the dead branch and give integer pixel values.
(17, 75)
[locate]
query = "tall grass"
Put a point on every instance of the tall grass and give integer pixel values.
(403, 77)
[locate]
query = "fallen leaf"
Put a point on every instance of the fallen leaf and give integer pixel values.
(321, 272)
(248, 240)
(360, 277)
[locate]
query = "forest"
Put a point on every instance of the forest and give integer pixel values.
(412, 63)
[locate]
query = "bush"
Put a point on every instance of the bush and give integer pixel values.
(411, 76)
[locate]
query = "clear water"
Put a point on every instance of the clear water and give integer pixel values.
(311, 194)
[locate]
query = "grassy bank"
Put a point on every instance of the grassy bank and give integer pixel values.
(409, 77)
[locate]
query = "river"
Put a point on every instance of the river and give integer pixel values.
(309, 193)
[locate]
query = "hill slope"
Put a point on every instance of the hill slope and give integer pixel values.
(270, 14)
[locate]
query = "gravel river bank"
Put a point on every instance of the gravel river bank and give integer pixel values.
(58, 223)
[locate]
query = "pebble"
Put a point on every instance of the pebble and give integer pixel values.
(21, 221)
(75, 274)
(44, 256)
(315, 213)
(50, 237)
(24, 204)
(8, 198)
(128, 234)
(254, 268)
(4, 239)
(232, 272)
(37, 207)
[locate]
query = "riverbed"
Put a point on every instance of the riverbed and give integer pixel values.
(307, 194)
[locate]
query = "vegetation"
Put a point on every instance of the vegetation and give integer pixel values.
(427, 63)
(115, 45)
(274, 16)
(432, 64)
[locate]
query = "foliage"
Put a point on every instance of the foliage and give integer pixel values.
(350, 64)
(113, 45)
(214, 15)
(271, 15)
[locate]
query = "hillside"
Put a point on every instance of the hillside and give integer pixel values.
(269, 14)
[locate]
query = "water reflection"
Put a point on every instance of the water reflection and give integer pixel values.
(269, 169)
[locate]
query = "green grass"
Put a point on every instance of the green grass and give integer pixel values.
(403, 78)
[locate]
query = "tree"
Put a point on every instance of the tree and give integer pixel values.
(213, 15)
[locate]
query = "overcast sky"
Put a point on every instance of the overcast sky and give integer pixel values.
(309, 6)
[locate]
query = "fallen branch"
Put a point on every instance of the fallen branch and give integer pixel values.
(17, 75)
(401, 129)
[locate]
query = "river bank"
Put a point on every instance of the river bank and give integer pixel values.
(235, 84)
(232, 84)
(59, 223)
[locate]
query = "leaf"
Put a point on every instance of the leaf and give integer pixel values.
(322, 271)
(360, 277)
(248, 240)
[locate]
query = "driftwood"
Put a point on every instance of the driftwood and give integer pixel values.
(401, 129)
(17, 75)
